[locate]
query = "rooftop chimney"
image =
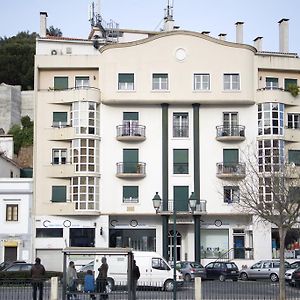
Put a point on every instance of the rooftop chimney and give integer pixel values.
(222, 36)
(258, 43)
(43, 23)
(239, 32)
(284, 35)
(205, 32)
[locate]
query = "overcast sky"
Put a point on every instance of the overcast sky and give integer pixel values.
(217, 16)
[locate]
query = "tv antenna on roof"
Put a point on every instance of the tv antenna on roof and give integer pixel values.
(109, 30)
(169, 10)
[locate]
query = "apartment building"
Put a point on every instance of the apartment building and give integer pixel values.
(171, 112)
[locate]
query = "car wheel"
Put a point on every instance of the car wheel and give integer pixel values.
(244, 276)
(110, 285)
(222, 277)
(274, 277)
(187, 277)
(169, 285)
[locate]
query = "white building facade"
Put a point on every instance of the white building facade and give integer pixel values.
(172, 113)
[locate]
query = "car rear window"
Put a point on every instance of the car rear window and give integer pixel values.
(196, 265)
(231, 266)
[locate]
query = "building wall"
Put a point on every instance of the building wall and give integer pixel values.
(17, 191)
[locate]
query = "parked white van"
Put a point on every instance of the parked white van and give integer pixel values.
(154, 270)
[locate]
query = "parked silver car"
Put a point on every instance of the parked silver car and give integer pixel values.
(289, 273)
(190, 270)
(263, 269)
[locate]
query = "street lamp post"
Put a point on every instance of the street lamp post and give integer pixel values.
(157, 204)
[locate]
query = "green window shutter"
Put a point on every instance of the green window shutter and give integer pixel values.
(130, 192)
(272, 79)
(230, 156)
(61, 83)
(180, 161)
(126, 77)
(60, 116)
(59, 193)
(160, 75)
(289, 81)
(294, 156)
(130, 160)
(181, 194)
(130, 116)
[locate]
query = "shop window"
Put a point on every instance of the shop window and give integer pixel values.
(49, 232)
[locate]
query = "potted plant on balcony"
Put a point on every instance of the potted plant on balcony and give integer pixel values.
(293, 89)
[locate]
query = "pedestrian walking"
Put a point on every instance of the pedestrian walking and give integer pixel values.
(135, 277)
(37, 273)
(71, 281)
(101, 281)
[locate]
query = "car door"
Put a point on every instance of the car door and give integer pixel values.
(266, 269)
(209, 270)
(255, 270)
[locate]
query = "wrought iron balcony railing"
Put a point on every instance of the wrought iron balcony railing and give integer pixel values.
(233, 131)
(131, 169)
(231, 170)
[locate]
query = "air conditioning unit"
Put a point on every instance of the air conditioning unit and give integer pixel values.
(68, 50)
(55, 52)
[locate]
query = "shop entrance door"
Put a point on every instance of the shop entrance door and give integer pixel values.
(10, 253)
(239, 246)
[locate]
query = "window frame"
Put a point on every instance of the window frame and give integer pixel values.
(180, 124)
(272, 85)
(58, 189)
(130, 199)
(231, 82)
(61, 86)
(82, 79)
(201, 82)
(232, 190)
(158, 86)
(12, 216)
(292, 122)
(59, 124)
(177, 164)
(128, 85)
(62, 160)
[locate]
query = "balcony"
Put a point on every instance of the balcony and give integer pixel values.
(231, 170)
(232, 133)
(69, 96)
(134, 133)
(183, 208)
(292, 134)
(60, 170)
(61, 133)
(276, 95)
(131, 170)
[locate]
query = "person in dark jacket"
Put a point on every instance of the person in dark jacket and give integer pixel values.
(37, 273)
(135, 277)
(102, 279)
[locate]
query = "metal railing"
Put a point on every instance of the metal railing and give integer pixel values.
(181, 131)
(231, 131)
(234, 253)
(200, 207)
(132, 130)
(131, 168)
(231, 169)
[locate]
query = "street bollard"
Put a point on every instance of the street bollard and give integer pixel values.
(198, 288)
(54, 288)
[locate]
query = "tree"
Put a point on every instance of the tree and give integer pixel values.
(17, 60)
(22, 135)
(51, 31)
(271, 191)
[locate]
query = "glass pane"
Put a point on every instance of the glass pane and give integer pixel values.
(60, 83)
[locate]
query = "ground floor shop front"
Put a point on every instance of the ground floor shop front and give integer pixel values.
(238, 238)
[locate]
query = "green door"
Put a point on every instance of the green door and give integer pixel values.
(230, 157)
(181, 194)
(130, 160)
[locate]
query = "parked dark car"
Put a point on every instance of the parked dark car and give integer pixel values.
(222, 271)
(190, 270)
(296, 278)
(16, 267)
(7, 264)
